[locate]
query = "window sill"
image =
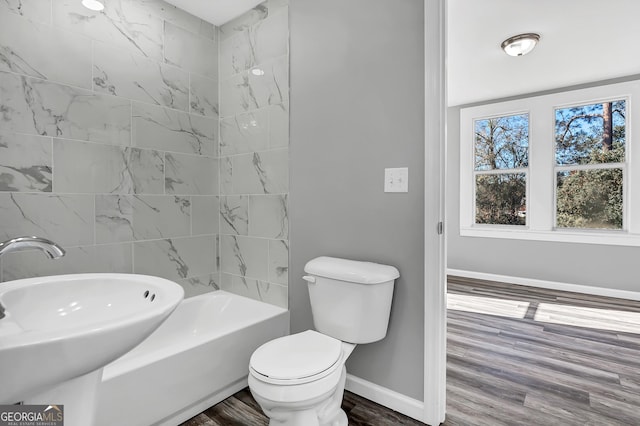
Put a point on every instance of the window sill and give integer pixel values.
(617, 238)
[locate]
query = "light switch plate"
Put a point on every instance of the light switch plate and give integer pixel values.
(396, 179)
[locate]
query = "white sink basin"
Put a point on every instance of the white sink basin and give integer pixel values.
(60, 327)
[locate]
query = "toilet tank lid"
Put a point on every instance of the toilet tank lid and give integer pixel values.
(351, 270)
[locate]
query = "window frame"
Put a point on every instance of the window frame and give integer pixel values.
(541, 170)
(523, 170)
(558, 168)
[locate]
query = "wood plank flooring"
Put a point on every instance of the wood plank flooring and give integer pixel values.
(516, 356)
(550, 358)
(242, 410)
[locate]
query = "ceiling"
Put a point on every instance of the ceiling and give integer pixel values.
(217, 12)
(581, 41)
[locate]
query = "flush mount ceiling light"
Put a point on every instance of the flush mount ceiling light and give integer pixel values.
(93, 5)
(520, 44)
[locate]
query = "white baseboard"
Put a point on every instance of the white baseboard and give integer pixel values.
(386, 397)
(554, 285)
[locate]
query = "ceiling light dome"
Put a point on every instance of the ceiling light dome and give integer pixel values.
(520, 44)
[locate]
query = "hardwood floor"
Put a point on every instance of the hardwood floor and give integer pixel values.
(516, 356)
(529, 363)
(242, 410)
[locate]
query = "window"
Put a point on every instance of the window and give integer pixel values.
(501, 159)
(555, 167)
(590, 163)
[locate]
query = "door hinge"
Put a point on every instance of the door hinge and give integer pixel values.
(440, 228)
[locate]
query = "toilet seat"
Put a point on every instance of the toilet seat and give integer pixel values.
(296, 359)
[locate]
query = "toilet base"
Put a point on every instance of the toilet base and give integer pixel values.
(324, 410)
(309, 418)
(340, 419)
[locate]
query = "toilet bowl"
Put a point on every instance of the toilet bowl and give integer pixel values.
(299, 380)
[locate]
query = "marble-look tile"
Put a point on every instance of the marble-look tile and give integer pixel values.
(179, 17)
(34, 10)
(236, 54)
(42, 51)
(161, 216)
(244, 133)
(126, 24)
(65, 219)
(244, 21)
(40, 107)
(88, 167)
(265, 40)
(278, 126)
(268, 216)
(200, 285)
(244, 256)
(236, 96)
(208, 30)
(169, 130)
(176, 258)
(205, 215)
(275, 6)
(234, 213)
(279, 261)
(141, 217)
(203, 94)
(111, 258)
(273, 294)
(264, 85)
(189, 51)
(269, 82)
(270, 37)
(264, 172)
(114, 218)
(226, 175)
(136, 77)
(25, 163)
(190, 175)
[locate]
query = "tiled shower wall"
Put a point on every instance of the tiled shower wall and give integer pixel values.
(109, 143)
(109, 139)
(254, 153)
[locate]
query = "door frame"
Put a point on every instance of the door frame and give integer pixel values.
(435, 289)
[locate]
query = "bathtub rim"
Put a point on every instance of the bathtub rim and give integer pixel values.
(126, 364)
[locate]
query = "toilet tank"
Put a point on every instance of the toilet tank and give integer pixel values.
(350, 300)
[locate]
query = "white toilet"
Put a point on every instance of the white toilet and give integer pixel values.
(298, 380)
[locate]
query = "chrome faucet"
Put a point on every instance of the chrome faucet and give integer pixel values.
(51, 249)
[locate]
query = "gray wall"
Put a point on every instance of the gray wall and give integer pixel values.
(584, 264)
(357, 106)
(109, 137)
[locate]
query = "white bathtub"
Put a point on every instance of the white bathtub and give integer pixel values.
(195, 359)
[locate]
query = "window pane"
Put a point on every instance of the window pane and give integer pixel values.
(589, 199)
(501, 199)
(502, 142)
(591, 134)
